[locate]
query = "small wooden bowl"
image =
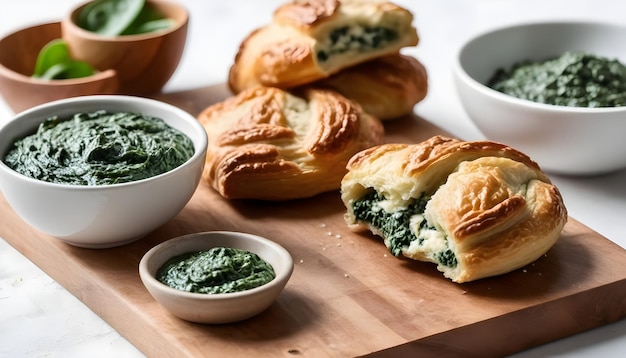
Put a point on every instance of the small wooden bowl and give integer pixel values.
(18, 54)
(144, 62)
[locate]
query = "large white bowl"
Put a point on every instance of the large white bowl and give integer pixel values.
(221, 307)
(105, 215)
(565, 140)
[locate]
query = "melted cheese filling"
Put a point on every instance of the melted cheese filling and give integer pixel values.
(405, 229)
(430, 241)
(354, 39)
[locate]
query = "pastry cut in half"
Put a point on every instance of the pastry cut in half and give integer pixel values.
(310, 40)
(270, 144)
(476, 209)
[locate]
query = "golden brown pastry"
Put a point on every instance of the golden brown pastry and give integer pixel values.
(267, 143)
(476, 209)
(310, 40)
(387, 87)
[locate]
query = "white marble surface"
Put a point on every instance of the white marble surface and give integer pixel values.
(39, 318)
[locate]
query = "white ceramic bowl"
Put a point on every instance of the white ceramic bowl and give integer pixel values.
(222, 307)
(565, 140)
(105, 215)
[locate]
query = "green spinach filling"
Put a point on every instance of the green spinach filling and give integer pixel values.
(217, 270)
(100, 148)
(396, 226)
(360, 39)
(575, 79)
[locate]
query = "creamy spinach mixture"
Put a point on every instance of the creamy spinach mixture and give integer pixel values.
(356, 38)
(100, 148)
(575, 79)
(406, 228)
(218, 270)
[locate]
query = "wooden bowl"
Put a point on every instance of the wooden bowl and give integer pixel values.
(18, 54)
(144, 62)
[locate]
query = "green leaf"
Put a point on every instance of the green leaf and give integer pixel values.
(55, 71)
(109, 17)
(54, 62)
(148, 20)
(78, 69)
(153, 25)
(54, 52)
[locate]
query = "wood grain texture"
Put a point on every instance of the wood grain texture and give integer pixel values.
(348, 296)
(145, 62)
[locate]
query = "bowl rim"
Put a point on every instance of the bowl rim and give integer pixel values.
(459, 69)
(69, 20)
(98, 76)
(199, 151)
(280, 280)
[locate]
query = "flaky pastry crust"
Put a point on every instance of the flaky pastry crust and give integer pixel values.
(388, 87)
(492, 205)
(267, 143)
(310, 40)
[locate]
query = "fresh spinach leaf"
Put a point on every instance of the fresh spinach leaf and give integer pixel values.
(55, 62)
(109, 17)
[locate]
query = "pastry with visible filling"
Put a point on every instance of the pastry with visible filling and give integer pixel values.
(476, 209)
(310, 40)
(270, 144)
(387, 87)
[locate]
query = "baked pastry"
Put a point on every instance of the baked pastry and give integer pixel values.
(313, 39)
(476, 209)
(387, 87)
(267, 143)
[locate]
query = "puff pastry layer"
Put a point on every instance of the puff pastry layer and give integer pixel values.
(267, 143)
(476, 209)
(310, 40)
(387, 87)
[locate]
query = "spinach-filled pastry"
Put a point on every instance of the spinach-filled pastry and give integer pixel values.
(313, 39)
(476, 209)
(270, 144)
(387, 87)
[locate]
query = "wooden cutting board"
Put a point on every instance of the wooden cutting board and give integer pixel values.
(348, 296)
